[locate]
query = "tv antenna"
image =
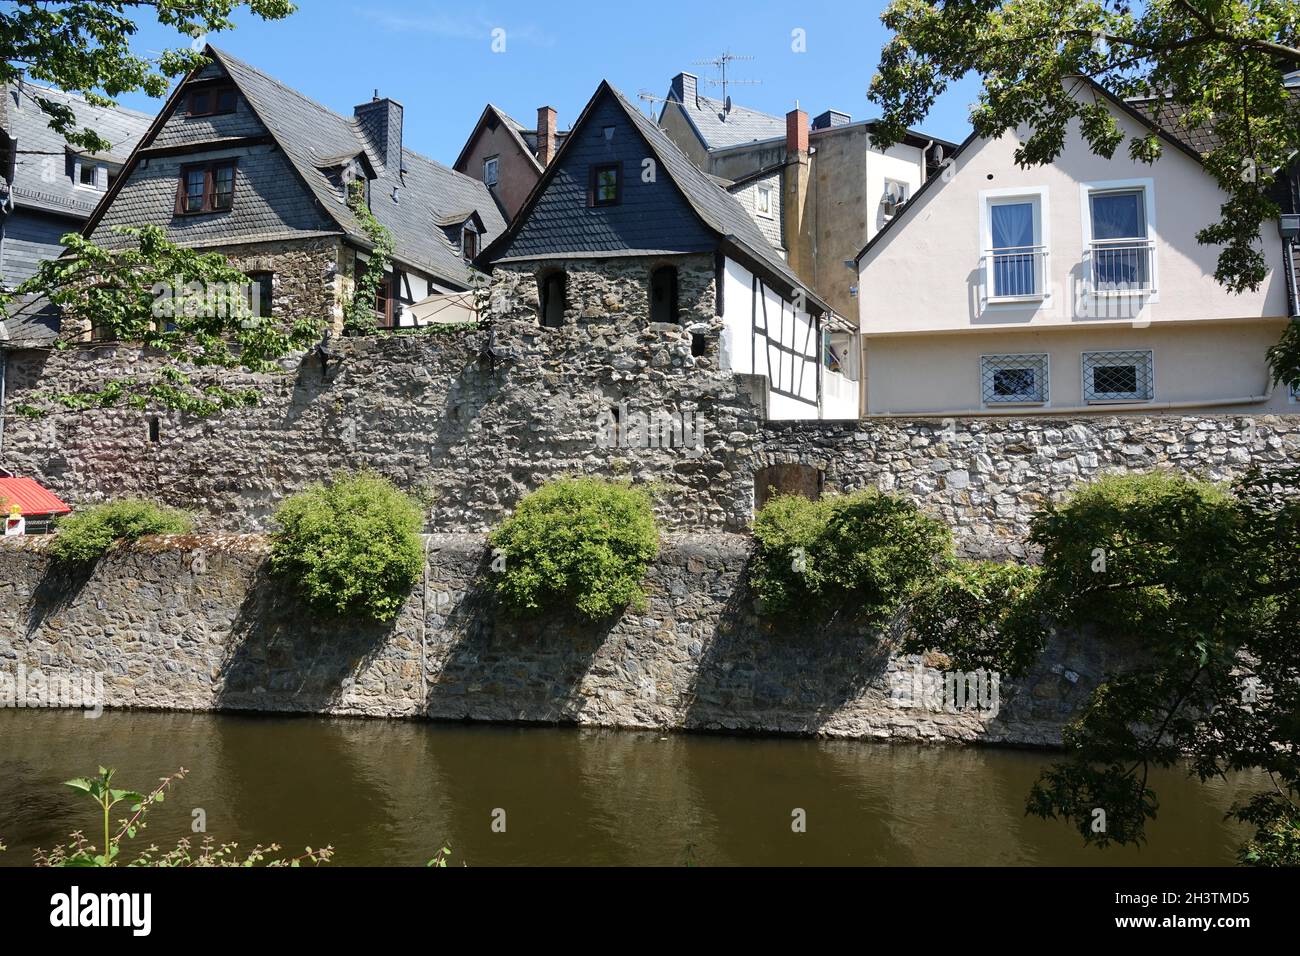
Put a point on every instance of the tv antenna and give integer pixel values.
(720, 63)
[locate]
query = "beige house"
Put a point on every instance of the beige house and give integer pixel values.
(1068, 288)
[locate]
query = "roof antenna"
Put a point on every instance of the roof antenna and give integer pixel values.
(720, 63)
(376, 97)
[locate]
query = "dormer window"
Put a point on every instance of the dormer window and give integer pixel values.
(469, 244)
(87, 175)
(606, 185)
(211, 100)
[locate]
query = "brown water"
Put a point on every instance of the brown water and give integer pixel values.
(390, 793)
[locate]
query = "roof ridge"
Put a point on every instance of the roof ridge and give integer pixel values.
(350, 120)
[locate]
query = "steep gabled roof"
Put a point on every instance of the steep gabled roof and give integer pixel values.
(524, 138)
(516, 131)
(315, 139)
(310, 134)
(716, 208)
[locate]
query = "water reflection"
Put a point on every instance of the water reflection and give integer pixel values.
(391, 793)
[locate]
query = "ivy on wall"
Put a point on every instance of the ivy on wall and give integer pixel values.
(360, 315)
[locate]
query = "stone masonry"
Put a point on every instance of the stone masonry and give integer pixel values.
(476, 419)
(197, 624)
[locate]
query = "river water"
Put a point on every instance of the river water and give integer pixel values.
(392, 792)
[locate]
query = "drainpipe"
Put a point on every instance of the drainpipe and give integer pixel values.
(4, 368)
(1288, 266)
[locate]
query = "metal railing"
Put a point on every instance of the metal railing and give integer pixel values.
(1120, 266)
(1016, 272)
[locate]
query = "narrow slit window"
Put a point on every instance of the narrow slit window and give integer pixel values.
(554, 292)
(663, 295)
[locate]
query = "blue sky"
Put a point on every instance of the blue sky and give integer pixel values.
(437, 58)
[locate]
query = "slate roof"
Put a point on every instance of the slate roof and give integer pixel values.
(314, 142)
(718, 128)
(314, 137)
(30, 322)
(28, 126)
(1171, 118)
(716, 208)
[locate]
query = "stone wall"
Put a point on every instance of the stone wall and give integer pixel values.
(197, 624)
(476, 419)
(306, 274)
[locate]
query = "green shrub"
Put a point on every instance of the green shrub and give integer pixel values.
(577, 543)
(1135, 554)
(981, 615)
(859, 554)
(352, 547)
(87, 535)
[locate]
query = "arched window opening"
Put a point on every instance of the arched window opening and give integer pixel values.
(554, 299)
(663, 295)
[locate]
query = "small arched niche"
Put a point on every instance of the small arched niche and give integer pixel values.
(787, 478)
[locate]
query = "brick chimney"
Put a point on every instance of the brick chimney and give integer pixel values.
(545, 135)
(381, 123)
(684, 89)
(796, 133)
(796, 213)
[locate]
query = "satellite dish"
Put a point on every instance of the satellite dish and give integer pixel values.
(727, 105)
(892, 200)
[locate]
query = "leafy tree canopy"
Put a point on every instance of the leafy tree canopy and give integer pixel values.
(84, 47)
(1202, 585)
(191, 309)
(1221, 63)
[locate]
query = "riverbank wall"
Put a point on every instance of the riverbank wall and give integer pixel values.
(198, 624)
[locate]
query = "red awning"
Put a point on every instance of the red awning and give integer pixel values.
(30, 497)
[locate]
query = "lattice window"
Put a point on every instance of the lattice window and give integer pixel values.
(1118, 376)
(1013, 379)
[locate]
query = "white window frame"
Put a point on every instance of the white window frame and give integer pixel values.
(97, 187)
(1043, 361)
(495, 163)
(1148, 187)
(761, 191)
(1042, 233)
(1115, 398)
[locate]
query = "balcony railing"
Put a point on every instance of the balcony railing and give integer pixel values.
(1016, 272)
(1120, 266)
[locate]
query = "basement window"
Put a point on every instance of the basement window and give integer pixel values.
(1013, 379)
(1118, 376)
